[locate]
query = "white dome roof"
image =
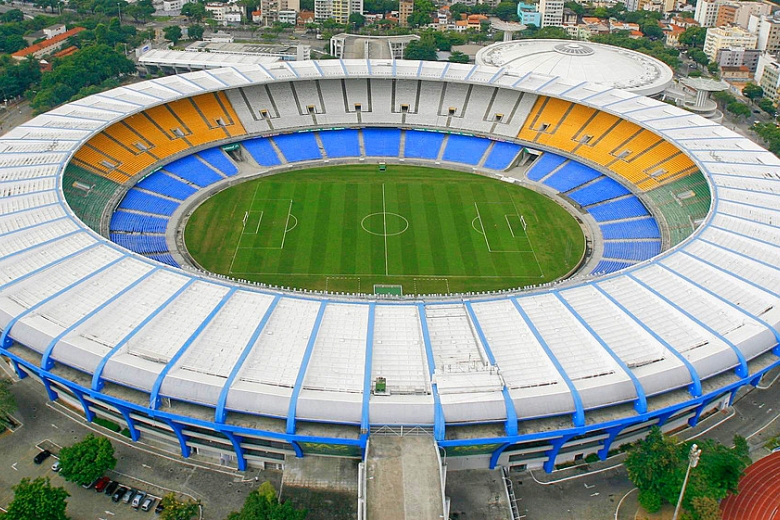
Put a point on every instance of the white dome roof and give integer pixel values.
(592, 62)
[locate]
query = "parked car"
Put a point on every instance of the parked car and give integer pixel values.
(148, 503)
(101, 484)
(119, 493)
(55, 467)
(138, 498)
(159, 508)
(129, 495)
(111, 488)
(45, 454)
(91, 484)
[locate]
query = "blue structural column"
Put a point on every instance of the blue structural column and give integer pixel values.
(20, 372)
(220, 412)
(235, 440)
(439, 424)
(46, 362)
(578, 417)
(52, 395)
(178, 430)
(695, 387)
(742, 368)
(496, 454)
(292, 409)
(88, 413)
(612, 432)
(135, 434)
(640, 404)
(510, 426)
(97, 375)
(365, 423)
(154, 395)
(552, 453)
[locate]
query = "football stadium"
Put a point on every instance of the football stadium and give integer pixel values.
(258, 263)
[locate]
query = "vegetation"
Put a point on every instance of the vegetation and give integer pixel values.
(37, 500)
(422, 49)
(458, 57)
(87, 460)
(263, 504)
(7, 402)
(332, 224)
(657, 465)
(172, 33)
(174, 509)
(770, 134)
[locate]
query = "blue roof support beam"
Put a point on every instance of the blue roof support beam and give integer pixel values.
(178, 430)
(510, 426)
(220, 412)
(235, 440)
(579, 412)
(365, 424)
(439, 424)
(135, 434)
(695, 386)
(742, 369)
(46, 362)
(97, 375)
(552, 453)
(4, 338)
(154, 395)
(291, 411)
(640, 405)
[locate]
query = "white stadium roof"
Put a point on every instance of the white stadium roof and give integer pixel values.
(706, 307)
(577, 61)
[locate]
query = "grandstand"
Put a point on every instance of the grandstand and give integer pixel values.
(251, 375)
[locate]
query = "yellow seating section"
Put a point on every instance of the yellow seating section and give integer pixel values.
(203, 119)
(623, 147)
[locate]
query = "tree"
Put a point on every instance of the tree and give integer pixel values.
(752, 91)
(174, 509)
(194, 11)
(654, 465)
(706, 508)
(172, 33)
(738, 108)
(7, 401)
(14, 15)
(506, 11)
(262, 504)
(141, 10)
(357, 20)
(37, 500)
(87, 460)
(767, 106)
(195, 32)
(458, 57)
(423, 49)
(693, 37)
(699, 57)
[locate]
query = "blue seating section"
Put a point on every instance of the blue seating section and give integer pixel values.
(262, 152)
(641, 228)
(601, 190)
(217, 158)
(628, 207)
(341, 143)
(165, 258)
(544, 165)
(141, 243)
(571, 175)
(193, 170)
(135, 223)
(636, 251)
(140, 201)
(465, 149)
(610, 266)
(166, 185)
(382, 142)
(298, 147)
(422, 145)
(502, 155)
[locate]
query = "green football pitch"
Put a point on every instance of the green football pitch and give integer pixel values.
(409, 229)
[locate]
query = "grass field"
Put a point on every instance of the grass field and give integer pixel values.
(419, 230)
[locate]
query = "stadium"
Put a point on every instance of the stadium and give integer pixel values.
(671, 310)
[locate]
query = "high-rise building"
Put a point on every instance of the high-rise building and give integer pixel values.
(767, 29)
(551, 12)
(707, 12)
(405, 8)
(768, 76)
(339, 10)
(727, 37)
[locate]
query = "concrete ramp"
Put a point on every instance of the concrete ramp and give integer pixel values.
(403, 479)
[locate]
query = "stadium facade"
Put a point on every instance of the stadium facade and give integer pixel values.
(251, 375)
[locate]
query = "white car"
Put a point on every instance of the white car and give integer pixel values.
(55, 467)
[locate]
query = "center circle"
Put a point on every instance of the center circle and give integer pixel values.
(384, 224)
